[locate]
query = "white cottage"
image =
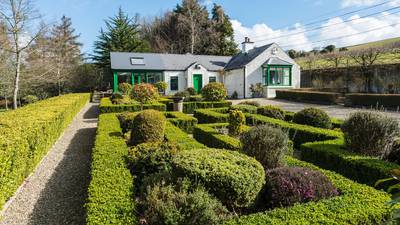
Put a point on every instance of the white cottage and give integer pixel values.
(268, 65)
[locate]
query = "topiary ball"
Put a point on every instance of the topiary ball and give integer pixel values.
(237, 120)
(289, 185)
(214, 92)
(148, 126)
(371, 133)
(266, 144)
(271, 111)
(313, 117)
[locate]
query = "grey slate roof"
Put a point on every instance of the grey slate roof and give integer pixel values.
(277, 61)
(240, 60)
(178, 62)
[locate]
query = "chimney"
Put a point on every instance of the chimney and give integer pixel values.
(247, 45)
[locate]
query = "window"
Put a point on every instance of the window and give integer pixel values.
(154, 77)
(277, 76)
(174, 84)
(212, 79)
(137, 61)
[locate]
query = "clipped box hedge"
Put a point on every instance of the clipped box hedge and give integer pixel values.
(211, 115)
(332, 155)
(190, 107)
(308, 96)
(357, 204)
(106, 106)
(373, 100)
(175, 135)
(28, 133)
(182, 120)
(111, 187)
(246, 108)
(231, 176)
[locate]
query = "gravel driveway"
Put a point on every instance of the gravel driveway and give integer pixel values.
(56, 191)
(336, 111)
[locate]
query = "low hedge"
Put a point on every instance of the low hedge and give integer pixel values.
(298, 133)
(209, 136)
(231, 176)
(182, 120)
(308, 96)
(175, 135)
(245, 108)
(111, 188)
(357, 204)
(332, 155)
(190, 107)
(373, 100)
(106, 106)
(28, 133)
(211, 115)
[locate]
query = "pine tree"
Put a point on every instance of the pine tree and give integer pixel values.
(122, 34)
(223, 31)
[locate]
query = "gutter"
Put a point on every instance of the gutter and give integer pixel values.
(244, 82)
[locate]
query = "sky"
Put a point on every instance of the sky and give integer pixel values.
(264, 21)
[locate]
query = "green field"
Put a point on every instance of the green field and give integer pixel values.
(386, 58)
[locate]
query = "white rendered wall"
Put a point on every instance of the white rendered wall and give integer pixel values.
(233, 81)
(181, 81)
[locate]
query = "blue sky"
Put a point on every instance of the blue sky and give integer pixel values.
(261, 18)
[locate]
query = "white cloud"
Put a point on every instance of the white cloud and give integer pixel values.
(263, 34)
(348, 3)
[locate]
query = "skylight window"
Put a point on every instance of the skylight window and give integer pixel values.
(137, 61)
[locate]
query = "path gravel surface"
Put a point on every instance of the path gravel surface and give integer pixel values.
(56, 191)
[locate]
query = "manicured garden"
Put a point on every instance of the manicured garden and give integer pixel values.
(244, 164)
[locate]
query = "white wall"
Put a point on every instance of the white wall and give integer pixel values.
(233, 81)
(181, 81)
(203, 71)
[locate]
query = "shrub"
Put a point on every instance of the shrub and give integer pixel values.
(214, 92)
(29, 99)
(182, 94)
(161, 86)
(237, 120)
(253, 103)
(287, 186)
(191, 91)
(266, 144)
(126, 121)
(308, 96)
(370, 133)
(125, 88)
(181, 120)
(232, 177)
(373, 100)
(145, 93)
(181, 204)
(106, 106)
(394, 155)
(190, 107)
(116, 98)
(245, 108)
(149, 158)
(257, 90)
(271, 111)
(313, 117)
(148, 126)
(235, 95)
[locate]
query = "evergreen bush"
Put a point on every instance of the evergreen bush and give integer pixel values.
(148, 126)
(214, 92)
(313, 117)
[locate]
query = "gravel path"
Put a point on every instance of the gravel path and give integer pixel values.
(336, 111)
(56, 191)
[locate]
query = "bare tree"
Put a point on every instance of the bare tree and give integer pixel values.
(335, 58)
(19, 16)
(366, 58)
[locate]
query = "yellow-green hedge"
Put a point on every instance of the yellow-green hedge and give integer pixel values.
(26, 135)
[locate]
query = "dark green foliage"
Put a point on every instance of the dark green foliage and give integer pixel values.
(356, 204)
(245, 108)
(29, 99)
(121, 35)
(237, 121)
(214, 92)
(211, 116)
(253, 103)
(182, 94)
(150, 158)
(394, 155)
(181, 120)
(176, 136)
(234, 95)
(28, 133)
(308, 96)
(126, 121)
(190, 107)
(313, 117)
(370, 133)
(223, 32)
(289, 185)
(271, 111)
(209, 136)
(191, 91)
(125, 88)
(106, 106)
(148, 127)
(332, 155)
(111, 188)
(266, 144)
(232, 177)
(373, 100)
(181, 204)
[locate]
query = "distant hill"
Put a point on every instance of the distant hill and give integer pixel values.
(375, 44)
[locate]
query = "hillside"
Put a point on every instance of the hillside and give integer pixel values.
(375, 44)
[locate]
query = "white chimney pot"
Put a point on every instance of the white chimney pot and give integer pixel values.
(247, 45)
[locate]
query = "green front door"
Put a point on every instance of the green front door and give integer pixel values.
(197, 82)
